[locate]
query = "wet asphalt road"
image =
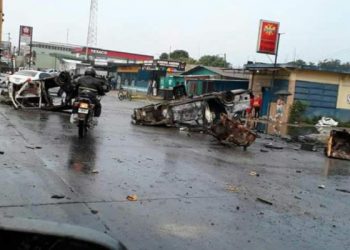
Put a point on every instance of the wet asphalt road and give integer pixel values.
(193, 193)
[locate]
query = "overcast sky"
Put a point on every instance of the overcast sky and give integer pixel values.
(314, 29)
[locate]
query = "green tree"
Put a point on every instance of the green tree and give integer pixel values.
(180, 55)
(330, 64)
(299, 62)
(296, 113)
(164, 56)
(214, 61)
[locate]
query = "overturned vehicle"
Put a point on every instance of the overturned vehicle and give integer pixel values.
(215, 113)
(35, 89)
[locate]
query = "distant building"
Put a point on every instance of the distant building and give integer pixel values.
(56, 55)
(203, 79)
(327, 92)
(103, 57)
(47, 55)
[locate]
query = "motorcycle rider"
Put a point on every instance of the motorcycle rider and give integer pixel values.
(91, 86)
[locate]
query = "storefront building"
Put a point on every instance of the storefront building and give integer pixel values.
(326, 92)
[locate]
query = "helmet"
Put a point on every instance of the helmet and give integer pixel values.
(90, 72)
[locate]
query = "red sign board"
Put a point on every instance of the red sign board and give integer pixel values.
(268, 36)
(26, 31)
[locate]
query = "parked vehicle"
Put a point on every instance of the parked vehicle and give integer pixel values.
(23, 76)
(52, 72)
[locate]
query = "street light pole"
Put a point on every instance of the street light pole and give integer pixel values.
(274, 73)
(1, 18)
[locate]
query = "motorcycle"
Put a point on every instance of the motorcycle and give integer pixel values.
(83, 112)
(124, 94)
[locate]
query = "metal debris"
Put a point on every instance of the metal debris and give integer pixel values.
(232, 131)
(308, 147)
(273, 146)
(209, 112)
(321, 186)
(264, 201)
(58, 196)
(343, 190)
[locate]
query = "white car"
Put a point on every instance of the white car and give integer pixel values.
(52, 72)
(26, 84)
(23, 76)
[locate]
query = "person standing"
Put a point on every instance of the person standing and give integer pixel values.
(279, 116)
(279, 109)
(257, 105)
(154, 87)
(149, 87)
(249, 110)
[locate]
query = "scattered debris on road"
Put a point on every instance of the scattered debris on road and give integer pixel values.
(338, 145)
(2, 152)
(321, 186)
(95, 171)
(343, 190)
(58, 196)
(273, 146)
(297, 197)
(264, 201)
(308, 147)
(326, 122)
(33, 147)
(132, 197)
(253, 173)
(93, 211)
(264, 150)
(232, 189)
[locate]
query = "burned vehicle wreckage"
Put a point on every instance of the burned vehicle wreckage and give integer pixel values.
(42, 93)
(215, 113)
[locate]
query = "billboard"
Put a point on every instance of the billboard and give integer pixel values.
(268, 36)
(25, 40)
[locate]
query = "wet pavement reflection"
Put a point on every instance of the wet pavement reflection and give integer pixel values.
(82, 154)
(335, 167)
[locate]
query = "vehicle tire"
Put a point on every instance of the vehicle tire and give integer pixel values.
(120, 96)
(82, 129)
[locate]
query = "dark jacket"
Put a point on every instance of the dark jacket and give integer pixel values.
(90, 83)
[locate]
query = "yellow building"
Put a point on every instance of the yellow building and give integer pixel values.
(327, 92)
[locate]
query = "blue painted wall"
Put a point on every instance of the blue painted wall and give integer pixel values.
(322, 100)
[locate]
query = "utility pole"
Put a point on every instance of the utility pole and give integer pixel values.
(1, 18)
